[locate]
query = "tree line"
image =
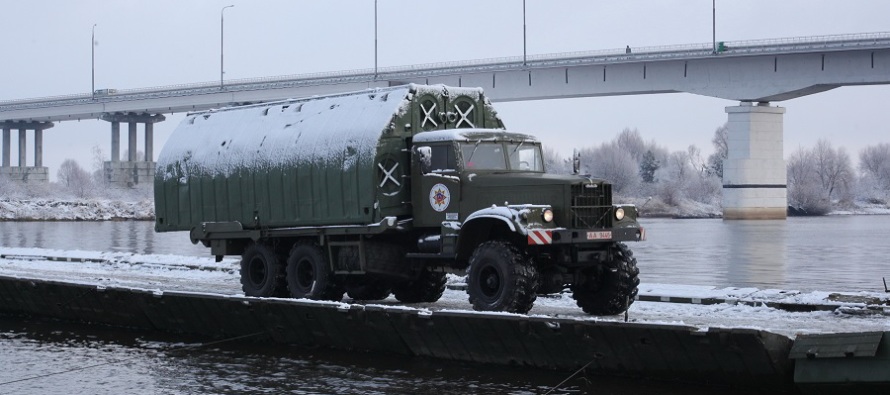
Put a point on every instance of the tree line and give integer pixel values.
(819, 179)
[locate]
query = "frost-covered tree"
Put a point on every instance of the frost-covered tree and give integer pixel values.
(721, 150)
(99, 178)
(833, 169)
(648, 166)
(613, 164)
(630, 141)
(75, 179)
(554, 163)
(873, 185)
(804, 189)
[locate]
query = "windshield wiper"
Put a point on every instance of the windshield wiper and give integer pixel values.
(517, 147)
(470, 159)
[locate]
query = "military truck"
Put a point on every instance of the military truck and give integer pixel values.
(382, 192)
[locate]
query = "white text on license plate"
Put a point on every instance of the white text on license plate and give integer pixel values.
(606, 235)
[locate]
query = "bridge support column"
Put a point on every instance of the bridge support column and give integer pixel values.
(134, 169)
(7, 149)
(115, 141)
(754, 175)
(131, 142)
(23, 147)
(149, 142)
(38, 147)
(23, 172)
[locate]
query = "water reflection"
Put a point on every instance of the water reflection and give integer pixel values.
(117, 361)
(757, 253)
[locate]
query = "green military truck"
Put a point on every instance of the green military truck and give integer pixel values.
(384, 191)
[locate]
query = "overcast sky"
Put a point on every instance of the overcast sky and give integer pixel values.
(142, 43)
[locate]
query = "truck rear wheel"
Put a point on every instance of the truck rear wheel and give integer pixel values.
(609, 289)
(501, 278)
(309, 275)
(262, 272)
(427, 288)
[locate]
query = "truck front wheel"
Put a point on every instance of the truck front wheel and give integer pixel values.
(501, 278)
(262, 274)
(309, 276)
(610, 288)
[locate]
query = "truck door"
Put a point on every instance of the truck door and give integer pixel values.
(438, 198)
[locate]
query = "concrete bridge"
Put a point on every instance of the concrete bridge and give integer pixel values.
(755, 73)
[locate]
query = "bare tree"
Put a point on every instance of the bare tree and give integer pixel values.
(553, 163)
(630, 141)
(833, 168)
(74, 178)
(721, 150)
(612, 164)
(875, 161)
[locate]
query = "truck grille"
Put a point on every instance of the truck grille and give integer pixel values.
(592, 207)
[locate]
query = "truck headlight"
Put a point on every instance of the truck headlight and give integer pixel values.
(619, 213)
(547, 215)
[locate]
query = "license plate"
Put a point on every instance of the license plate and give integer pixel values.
(606, 235)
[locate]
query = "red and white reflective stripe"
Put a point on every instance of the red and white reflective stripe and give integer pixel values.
(539, 237)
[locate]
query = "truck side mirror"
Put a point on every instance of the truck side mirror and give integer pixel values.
(425, 156)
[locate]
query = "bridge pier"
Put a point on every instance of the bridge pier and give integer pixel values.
(23, 172)
(133, 170)
(754, 173)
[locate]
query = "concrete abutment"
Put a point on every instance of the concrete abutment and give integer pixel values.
(754, 172)
(134, 170)
(23, 172)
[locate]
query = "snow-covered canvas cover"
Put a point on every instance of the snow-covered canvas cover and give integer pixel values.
(339, 129)
(301, 162)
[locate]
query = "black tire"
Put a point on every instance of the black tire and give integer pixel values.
(611, 288)
(427, 288)
(309, 275)
(262, 272)
(368, 288)
(501, 278)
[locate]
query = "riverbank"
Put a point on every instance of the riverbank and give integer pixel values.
(75, 210)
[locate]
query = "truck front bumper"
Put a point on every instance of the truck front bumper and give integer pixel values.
(585, 236)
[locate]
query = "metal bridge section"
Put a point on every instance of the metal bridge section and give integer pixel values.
(752, 72)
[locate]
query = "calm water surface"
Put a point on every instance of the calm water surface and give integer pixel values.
(847, 253)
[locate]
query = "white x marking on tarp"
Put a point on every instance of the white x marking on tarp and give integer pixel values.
(387, 175)
(463, 116)
(428, 115)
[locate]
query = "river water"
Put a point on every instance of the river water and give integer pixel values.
(837, 253)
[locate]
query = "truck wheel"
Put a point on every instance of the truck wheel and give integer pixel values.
(609, 289)
(309, 276)
(427, 288)
(262, 273)
(368, 288)
(501, 278)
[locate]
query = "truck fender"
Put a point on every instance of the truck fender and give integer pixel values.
(468, 239)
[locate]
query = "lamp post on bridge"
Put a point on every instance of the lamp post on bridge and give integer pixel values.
(221, 33)
(93, 64)
(524, 51)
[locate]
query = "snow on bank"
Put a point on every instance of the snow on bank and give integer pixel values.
(75, 210)
(202, 275)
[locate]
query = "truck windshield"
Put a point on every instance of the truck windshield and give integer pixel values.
(525, 156)
(490, 155)
(483, 156)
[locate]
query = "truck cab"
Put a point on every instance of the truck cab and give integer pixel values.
(488, 204)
